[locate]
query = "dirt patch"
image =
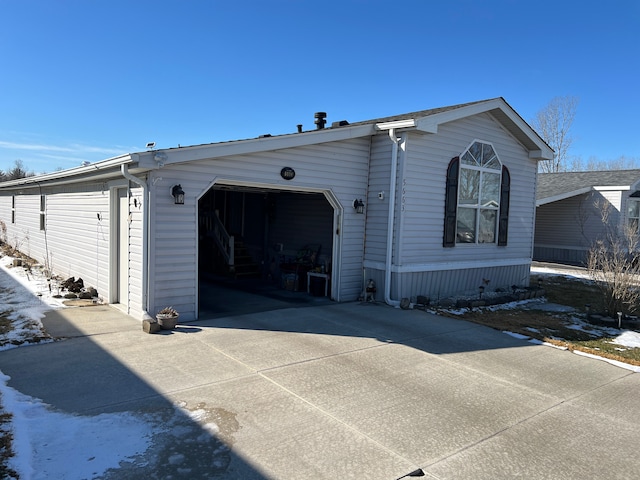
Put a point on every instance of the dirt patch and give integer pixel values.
(79, 302)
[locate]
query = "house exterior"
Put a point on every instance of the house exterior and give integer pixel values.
(570, 207)
(427, 203)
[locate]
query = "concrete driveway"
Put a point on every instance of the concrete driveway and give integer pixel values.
(341, 391)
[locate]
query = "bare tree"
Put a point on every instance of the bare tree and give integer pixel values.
(17, 171)
(621, 163)
(613, 262)
(553, 123)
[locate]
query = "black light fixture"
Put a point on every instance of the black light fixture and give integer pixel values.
(178, 194)
(358, 205)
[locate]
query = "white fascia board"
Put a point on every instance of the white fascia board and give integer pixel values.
(256, 145)
(72, 174)
(562, 196)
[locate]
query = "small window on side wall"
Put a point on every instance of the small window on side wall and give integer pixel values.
(43, 207)
(476, 198)
(633, 214)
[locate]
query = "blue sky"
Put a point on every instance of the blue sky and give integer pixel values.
(89, 80)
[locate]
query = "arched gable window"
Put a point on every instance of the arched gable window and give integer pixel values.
(477, 198)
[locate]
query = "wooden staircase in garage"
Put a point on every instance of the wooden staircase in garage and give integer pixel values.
(243, 265)
(232, 256)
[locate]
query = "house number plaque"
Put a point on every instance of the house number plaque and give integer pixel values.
(287, 173)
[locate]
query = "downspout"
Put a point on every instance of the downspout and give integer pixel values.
(145, 238)
(390, 219)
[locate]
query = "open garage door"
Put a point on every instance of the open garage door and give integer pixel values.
(261, 249)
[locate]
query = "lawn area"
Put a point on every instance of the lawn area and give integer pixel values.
(568, 328)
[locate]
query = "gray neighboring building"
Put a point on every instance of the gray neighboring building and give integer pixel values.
(569, 211)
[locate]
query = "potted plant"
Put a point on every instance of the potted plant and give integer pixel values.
(167, 318)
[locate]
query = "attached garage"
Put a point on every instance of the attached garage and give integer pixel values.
(274, 235)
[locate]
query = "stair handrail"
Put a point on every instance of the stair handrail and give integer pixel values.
(225, 242)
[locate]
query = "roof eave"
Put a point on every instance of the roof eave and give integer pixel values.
(255, 145)
(504, 114)
(92, 170)
(563, 196)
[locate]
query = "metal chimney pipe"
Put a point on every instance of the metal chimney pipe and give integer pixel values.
(299, 128)
(321, 120)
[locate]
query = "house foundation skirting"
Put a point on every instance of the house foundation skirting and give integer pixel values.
(563, 255)
(439, 284)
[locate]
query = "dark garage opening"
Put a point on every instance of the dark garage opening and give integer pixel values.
(256, 247)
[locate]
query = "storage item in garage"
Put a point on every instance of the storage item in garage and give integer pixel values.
(290, 282)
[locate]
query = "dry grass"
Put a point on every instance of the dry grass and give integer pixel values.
(6, 439)
(572, 292)
(556, 327)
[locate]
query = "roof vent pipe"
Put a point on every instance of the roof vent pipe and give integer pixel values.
(299, 128)
(321, 120)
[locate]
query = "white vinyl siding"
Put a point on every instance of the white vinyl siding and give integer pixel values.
(566, 229)
(573, 222)
(377, 210)
(75, 242)
(427, 159)
(136, 251)
(422, 266)
(339, 167)
(24, 233)
(5, 216)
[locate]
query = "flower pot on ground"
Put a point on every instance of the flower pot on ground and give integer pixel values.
(167, 318)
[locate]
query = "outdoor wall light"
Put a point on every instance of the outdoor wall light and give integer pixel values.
(358, 205)
(178, 194)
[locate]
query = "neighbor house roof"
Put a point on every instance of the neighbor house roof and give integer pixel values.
(553, 187)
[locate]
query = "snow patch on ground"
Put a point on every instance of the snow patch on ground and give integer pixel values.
(49, 444)
(24, 305)
(628, 339)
